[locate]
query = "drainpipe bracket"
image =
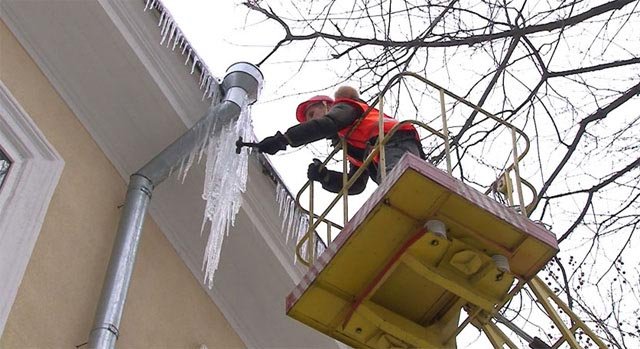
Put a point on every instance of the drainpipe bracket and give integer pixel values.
(109, 327)
(142, 183)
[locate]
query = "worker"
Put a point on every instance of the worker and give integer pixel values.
(322, 117)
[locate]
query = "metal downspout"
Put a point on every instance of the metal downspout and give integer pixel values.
(241, 86)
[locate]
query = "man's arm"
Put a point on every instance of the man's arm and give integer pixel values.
(339, 116)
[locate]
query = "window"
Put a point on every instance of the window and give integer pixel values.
(5, 163)
(25, 193)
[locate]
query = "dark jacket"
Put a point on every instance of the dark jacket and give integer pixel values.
(339, 116)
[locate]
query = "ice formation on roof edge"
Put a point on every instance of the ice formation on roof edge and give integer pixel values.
(295, 221)
(222, 215)
(170, 32)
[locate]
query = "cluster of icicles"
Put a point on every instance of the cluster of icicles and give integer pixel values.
(225, 180)
(174, 38)
(295, 223)
(226, 172)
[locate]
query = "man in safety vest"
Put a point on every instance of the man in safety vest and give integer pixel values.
(322, 117)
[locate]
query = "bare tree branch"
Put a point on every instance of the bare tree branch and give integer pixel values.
(598, 115)
(470, 41)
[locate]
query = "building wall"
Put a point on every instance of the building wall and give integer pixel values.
(55, 305)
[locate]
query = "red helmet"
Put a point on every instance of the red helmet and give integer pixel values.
(302, 107)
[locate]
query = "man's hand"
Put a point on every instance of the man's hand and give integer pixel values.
(316, 171)
(273, 144)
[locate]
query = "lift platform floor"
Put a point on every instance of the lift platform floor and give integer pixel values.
(388, 282)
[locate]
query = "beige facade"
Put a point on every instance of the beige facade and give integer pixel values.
(56, 301)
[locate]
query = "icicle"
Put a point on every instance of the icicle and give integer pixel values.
(206, 88)
(292, 235)
(286, 213)
(211, 91)
(172, 33)
(225, 181)
(303, 229)
(279, 197)
(162, 15)
(179, 174)
(193, 67)
(165, 30)
(176, 41)
(187, 60)
(146, 5)
(203, 77)
(201, 151)
(184, 48)
(188, 164)
(286, 235)
(292, 214)
(207, 85)
(294, 230)
(296, 221)
(216, 95)
(213, 85)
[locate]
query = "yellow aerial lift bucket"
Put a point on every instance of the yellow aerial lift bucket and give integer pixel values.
(422, 247)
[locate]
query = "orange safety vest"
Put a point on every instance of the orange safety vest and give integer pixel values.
(368, 128)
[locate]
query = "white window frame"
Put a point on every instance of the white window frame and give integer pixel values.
(3, 158)
(24, 196)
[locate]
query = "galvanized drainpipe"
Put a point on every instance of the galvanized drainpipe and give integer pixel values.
(241, 86)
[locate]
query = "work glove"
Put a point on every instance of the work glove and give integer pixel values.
(273, 144)
(316, 171)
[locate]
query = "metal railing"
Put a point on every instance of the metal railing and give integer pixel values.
(501, 185)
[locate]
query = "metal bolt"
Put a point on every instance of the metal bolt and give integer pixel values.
(358, 330)
(435, 242)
